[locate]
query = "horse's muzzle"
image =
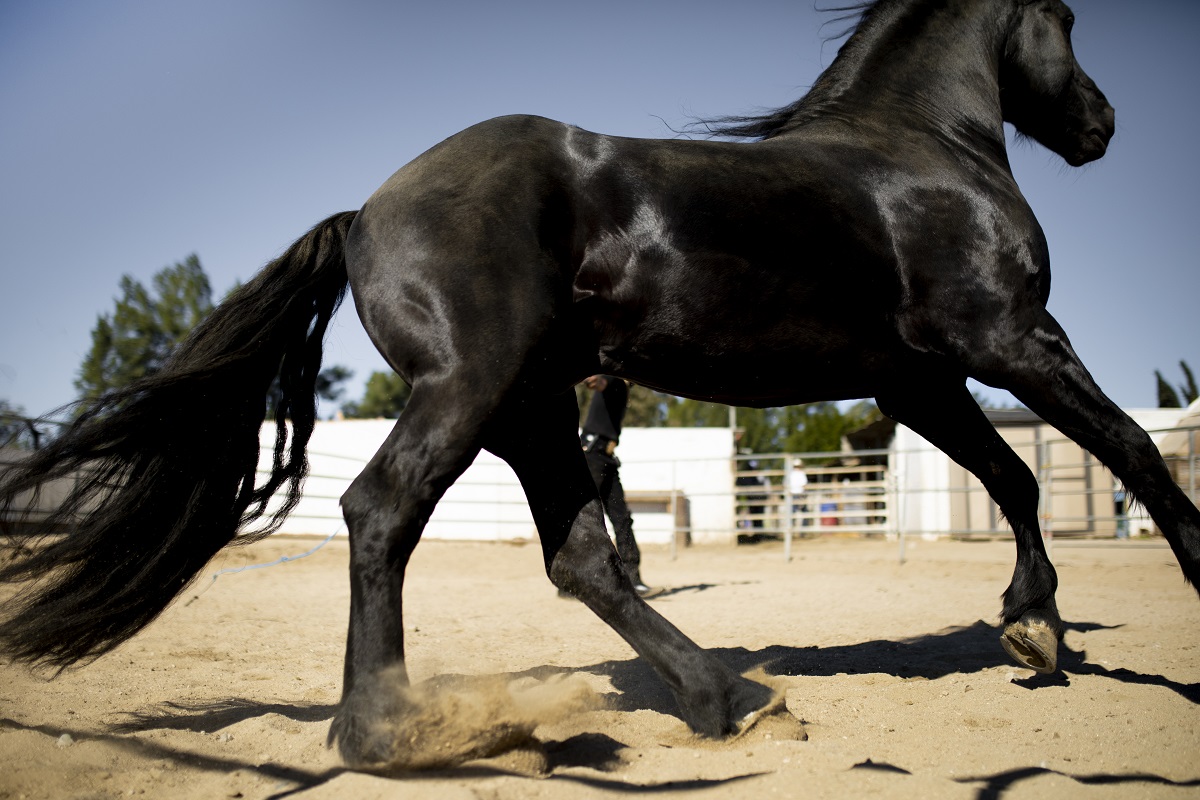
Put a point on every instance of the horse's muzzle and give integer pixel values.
(1093, 142)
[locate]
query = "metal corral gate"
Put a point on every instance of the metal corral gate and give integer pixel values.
(872, 492)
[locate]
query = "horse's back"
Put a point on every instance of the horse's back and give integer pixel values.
(670, 251)
(664, 257)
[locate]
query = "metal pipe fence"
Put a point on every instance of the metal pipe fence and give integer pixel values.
(867, 492)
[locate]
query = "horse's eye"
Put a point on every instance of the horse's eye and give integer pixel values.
(1069, 23)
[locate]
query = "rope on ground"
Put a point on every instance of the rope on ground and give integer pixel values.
(276, 562)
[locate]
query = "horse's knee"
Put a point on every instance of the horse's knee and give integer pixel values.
(375, 528)
(1012, 485)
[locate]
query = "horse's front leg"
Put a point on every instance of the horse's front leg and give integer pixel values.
(540, 444)
(1046, 375)
(943, 411)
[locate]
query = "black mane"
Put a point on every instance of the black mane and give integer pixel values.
(829, 84)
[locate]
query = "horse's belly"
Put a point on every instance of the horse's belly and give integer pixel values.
(730, 368)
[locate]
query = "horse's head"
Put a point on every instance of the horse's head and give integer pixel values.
(1043, 90)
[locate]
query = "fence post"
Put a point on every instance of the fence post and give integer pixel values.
(787, 505)
(1192, 464)
(674, 511)
(893, 505)
(1045, 482)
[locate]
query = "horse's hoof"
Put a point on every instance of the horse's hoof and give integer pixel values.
(774, 722)
(1032, 643)
(772, 717)
(359, 749)
(774, 706)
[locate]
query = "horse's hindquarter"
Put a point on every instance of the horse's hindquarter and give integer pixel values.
(463, 252)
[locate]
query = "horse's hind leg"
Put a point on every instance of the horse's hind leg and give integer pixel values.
(954, 423)
(386, 508)
(539, 441)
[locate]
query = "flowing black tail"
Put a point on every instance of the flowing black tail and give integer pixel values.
(165, 469)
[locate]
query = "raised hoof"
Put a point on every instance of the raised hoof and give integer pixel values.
(1032, 643)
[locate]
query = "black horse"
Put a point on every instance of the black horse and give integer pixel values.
(872, 235)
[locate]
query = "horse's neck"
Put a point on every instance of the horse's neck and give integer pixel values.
(913, 63)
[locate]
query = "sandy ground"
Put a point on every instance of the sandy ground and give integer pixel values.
(895, 670)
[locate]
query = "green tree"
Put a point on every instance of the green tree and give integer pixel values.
(815, 427)
(386, 396)
(646, 409)
(328, 387)
(136, 339)
(1168, 397)
(685, 413)
(759, 429)
(146, 325)
(819, 427)
(1189, 389)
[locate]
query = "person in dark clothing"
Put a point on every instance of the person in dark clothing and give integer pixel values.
(600, 434)
(755, 512)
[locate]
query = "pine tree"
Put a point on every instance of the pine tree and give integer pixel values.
(136, 339)
(1188, 389)
(146, 325)
(1168, 397)
(386, 396)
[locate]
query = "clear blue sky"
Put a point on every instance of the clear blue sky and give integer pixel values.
(135, 132)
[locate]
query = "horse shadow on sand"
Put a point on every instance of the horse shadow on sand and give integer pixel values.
(957, 650)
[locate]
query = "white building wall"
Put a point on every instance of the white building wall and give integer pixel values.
(1155, 420)
(695, 461)
(487, 502)
(922, 474)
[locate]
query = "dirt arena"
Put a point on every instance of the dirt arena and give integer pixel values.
(895, 671)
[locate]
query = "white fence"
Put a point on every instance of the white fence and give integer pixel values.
(672, 476)
(684, 487)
